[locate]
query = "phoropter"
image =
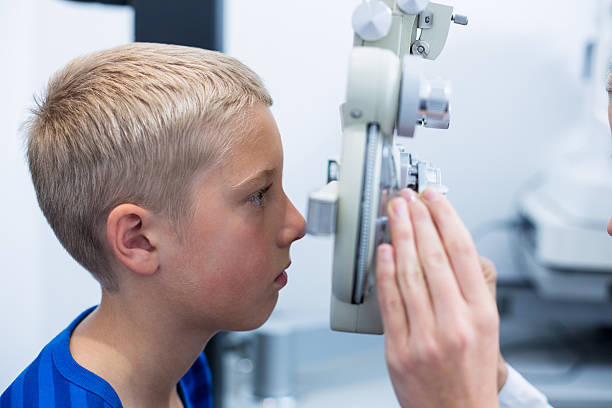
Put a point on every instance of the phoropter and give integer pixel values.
(385, 97)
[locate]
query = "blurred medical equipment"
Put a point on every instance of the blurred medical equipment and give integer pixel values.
(564, 210)
(288, 363)
(385, 96)
(556, 324)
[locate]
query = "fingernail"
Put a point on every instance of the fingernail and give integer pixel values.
(399, 208)
(385, 253)
(432, 195)
(409, 195)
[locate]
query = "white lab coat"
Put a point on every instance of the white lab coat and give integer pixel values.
(518, 393)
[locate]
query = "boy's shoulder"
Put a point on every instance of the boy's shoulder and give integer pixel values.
(54, 379)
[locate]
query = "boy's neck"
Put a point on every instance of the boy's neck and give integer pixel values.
(140, 351)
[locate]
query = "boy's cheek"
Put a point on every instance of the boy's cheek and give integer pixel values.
(237, 268)
(242, 292)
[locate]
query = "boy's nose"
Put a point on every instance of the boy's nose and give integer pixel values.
(294, 228)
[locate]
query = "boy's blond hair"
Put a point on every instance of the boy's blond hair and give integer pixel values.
(132, 124)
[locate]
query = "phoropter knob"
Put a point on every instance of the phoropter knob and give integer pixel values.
(372, 20)
(412, 6)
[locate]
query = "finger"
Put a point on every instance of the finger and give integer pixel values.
(459, 247)
(394, 317)
(437, 270)
(410, 278)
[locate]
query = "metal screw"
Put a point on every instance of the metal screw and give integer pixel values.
(356, 113)
(420, 48)
(426, 19)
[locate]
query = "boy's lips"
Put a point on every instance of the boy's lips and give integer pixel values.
(281, 279)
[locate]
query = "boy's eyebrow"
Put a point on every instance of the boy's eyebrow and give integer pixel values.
(261, 174)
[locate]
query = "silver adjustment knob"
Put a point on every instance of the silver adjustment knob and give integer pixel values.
(412, 6)
(434, 107)
(372, 20)
(459, 19)
(419, 174)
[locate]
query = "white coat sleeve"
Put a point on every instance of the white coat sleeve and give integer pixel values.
(518, 393)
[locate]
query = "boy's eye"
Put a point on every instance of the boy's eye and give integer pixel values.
(258, 198)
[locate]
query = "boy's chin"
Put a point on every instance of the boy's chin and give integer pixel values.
(257, 320)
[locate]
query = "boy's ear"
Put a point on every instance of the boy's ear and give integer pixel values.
(129, 233)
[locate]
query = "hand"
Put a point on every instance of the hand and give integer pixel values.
(441, 322)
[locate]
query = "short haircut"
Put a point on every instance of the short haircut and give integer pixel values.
(132, 124)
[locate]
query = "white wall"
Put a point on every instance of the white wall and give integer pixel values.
(514, 70)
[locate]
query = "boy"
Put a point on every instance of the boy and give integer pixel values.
(159, 168)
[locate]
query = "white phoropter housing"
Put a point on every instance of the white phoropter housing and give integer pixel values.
(385, 96)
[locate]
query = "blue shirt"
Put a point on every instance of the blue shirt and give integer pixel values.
(56, 380)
